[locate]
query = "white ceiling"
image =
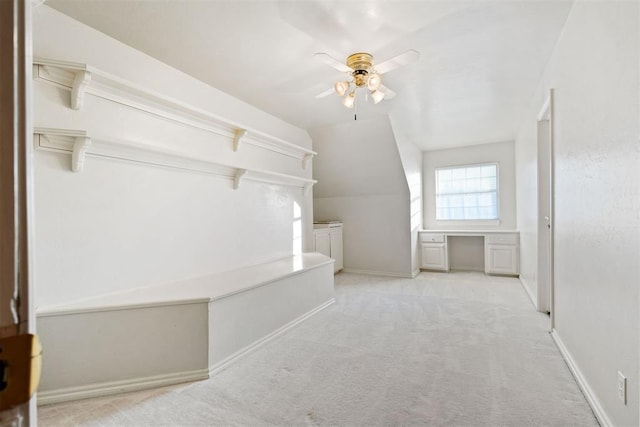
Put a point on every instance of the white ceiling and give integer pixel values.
(480, 61)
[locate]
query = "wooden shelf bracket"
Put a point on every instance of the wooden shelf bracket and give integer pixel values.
(236, 180)
(238, 134)
(306, 159)
(80, 147)
(79, 88)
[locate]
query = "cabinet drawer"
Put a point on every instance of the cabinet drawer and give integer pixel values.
(432, 237)
(503, 239)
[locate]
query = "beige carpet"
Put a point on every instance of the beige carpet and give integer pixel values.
(458, 349)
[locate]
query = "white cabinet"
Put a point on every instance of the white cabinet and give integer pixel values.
(322, 241)
(327, 238)
(434, 251)
(501, 250)
(502, 254)
(336, 247)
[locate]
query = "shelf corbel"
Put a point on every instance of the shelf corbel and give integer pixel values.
(238, 134)
(307, 188)
(236, 179)
(80, 83)
(306, 159)
(80, 147)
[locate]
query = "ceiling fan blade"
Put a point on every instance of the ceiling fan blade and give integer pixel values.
(325, 93)
(333, 62)
(388, 93)
(397, 61)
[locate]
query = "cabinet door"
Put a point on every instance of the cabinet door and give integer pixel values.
(336, 248)
(322, 242)
(502, 259)
(434, 256)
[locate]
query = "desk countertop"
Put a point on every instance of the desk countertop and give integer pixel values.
(475, 232)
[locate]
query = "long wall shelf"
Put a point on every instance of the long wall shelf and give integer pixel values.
(79, 145)
(81, 79)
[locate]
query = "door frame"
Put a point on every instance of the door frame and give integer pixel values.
(547, 114)
(17, 314)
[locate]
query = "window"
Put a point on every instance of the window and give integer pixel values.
(467, 192)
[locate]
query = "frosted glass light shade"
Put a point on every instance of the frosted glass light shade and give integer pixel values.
(377, 96)
(349, 100)
(341, 88)
(374, 81)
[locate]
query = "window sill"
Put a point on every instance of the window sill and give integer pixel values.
(470, 223)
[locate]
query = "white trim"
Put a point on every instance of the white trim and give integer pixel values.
(593, 401)
(377, 273)
(468, 223)
(529, 293)
(475, 221)
(82, 78)
(79, 145)
(264, 340)
(122, 386)
(414, 273)
(76, 309)
(544, 299)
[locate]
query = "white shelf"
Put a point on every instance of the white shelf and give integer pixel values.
(81, 79)
(80, 145)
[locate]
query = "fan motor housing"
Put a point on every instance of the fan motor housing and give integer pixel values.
(360, 61)
(361, 64)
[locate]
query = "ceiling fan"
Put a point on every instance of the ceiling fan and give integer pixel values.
(364, 74)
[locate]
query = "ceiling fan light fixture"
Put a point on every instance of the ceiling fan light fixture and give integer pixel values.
(341, 88)
(374, 81)
(350, 100)
(377, 96)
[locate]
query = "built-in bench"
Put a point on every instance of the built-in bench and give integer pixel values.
(178, 332)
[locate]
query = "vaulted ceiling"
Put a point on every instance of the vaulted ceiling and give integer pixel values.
(480, 61)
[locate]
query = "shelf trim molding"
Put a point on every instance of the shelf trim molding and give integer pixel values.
(79, 145)
(81, 79)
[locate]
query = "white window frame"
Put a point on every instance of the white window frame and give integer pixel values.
(471, 222)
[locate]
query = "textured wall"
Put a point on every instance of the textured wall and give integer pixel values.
(361, 181)
(118, 225)
(411, 158)
(502, 153)
(594, 74)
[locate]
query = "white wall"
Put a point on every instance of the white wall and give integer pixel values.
(118, 225)
(411, 158)
(527, 199)
(361, 182)
(595, 75)
(502, 153)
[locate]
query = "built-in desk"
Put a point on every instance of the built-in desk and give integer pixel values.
(501, 249)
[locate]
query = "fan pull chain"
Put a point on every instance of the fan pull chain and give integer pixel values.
(355, 108)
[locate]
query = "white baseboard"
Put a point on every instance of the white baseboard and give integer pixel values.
(113, 387)
(378, 273)
(414, 273)
(532, 297)
(252, 347)
(593, 401)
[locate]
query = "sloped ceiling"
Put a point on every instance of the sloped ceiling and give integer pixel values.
(480, 61)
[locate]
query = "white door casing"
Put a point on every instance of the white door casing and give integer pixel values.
(17, 315)
(545, 207)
